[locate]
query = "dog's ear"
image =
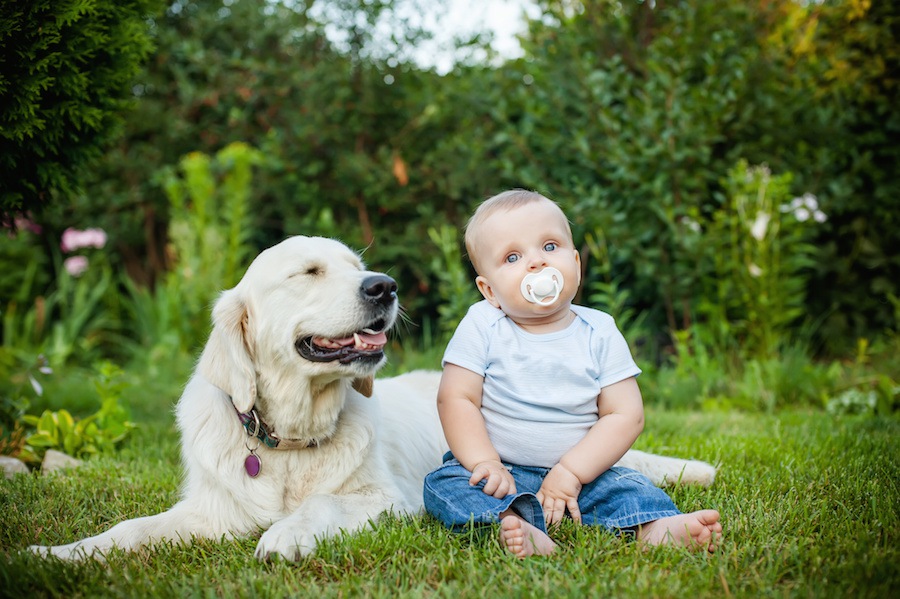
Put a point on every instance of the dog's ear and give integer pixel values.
(227, 359)
(364, 385)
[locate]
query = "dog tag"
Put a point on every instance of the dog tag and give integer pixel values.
(252, 465)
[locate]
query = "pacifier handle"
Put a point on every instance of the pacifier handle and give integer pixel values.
(549, 276)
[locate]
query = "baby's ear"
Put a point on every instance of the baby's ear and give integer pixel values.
(487, 291)
(579, 269)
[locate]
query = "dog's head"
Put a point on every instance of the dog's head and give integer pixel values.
(306, 308)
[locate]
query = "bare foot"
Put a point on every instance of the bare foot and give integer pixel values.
(697, 530)
(523, 539)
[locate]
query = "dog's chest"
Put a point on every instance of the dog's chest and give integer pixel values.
(336, 466)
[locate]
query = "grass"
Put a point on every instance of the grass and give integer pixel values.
(810, 505)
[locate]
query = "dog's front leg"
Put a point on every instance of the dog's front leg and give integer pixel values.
(178, 524)
(320, 517)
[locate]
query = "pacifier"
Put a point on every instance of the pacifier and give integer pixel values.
(542, 287)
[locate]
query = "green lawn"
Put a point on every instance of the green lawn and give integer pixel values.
(810, 505)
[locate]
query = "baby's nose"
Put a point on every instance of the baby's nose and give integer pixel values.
(536, 262)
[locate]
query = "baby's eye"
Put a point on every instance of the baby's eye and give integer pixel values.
(512, 258)
(549, 246)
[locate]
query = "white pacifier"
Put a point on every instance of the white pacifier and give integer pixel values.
(542, 287)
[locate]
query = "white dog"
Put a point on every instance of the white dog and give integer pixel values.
(277, 430)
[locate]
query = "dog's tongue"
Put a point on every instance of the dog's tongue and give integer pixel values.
(376, 339)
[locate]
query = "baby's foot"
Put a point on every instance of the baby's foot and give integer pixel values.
(523, 539)
(697, 530)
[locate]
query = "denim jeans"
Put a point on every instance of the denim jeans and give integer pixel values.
(620, 499)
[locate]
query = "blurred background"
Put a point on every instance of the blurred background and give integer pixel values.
(730, 170)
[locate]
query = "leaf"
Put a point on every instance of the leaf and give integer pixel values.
(42, 440)
(65, 423)
(71, 442)
(47, 423)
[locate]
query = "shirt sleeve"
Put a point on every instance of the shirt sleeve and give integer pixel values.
(469, 345)
(611, 350)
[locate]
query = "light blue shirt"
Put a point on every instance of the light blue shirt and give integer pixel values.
(540, 391)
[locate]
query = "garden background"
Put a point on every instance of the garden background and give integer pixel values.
(730, 169)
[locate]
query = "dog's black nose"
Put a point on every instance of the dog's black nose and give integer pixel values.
(379, 289)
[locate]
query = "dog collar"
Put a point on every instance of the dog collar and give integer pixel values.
(257, 428)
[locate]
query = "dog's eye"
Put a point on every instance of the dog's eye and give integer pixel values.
(313, 270)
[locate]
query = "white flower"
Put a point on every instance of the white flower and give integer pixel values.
(690, 224)
(755, 271)
(804, 207)
(758, 229)
(810, 201)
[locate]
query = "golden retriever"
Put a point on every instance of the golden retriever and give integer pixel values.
(278, 432)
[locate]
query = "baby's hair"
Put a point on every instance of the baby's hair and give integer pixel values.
(506, 200)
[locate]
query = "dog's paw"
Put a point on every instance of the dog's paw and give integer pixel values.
(289, 542)
(72, 551)
(41, 550)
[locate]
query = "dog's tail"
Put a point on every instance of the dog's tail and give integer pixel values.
(665, 471)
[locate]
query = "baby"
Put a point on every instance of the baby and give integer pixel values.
(538, 398)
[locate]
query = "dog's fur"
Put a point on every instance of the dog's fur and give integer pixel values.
(368, 455)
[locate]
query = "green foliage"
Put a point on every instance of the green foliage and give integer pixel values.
(866, 391)
(73, 318)
(80, 317)
(607, 293)
(632, 115)
(24, 267)
(73, 314)
(19, 382)
(757, 258)
(334, 126)
(454, 282)
(629, 114)
(96, 434)
(853, 60)
(209, 233)
(66, 70)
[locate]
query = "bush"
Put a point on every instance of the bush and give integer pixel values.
(96, 434)
(67, 69)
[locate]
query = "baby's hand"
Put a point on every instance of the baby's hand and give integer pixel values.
(559, 491)
(500, 482)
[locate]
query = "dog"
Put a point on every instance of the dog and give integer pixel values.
(283, 429)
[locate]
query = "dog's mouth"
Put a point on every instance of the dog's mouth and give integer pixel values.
(367, 344)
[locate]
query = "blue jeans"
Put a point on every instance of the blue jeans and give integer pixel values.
(619, 500)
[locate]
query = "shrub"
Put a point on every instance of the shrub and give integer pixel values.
(756, 262)
(98, 433)
(67, 69)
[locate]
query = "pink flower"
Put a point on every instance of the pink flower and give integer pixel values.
(73, 239)
(24, 223)
(75, 265)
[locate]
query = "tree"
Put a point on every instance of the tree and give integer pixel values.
(66, 69)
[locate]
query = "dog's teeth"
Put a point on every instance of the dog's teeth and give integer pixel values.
(370, 332)
(357, 342)
(326, 343)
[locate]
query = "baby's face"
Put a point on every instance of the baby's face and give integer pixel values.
(513, 243)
